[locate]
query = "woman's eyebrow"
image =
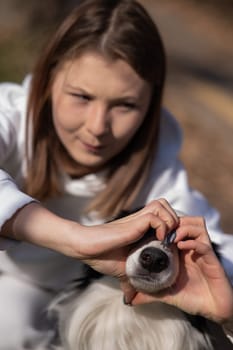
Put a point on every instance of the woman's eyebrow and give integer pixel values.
(129, 99)
(78, 89)
(68, 85)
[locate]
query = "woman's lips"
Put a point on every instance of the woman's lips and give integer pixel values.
(91, 148)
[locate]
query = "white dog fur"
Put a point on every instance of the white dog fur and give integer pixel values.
(97, 319)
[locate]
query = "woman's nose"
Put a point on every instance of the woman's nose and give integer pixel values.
(97, 120)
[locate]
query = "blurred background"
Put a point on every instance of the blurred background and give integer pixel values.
(198, 38)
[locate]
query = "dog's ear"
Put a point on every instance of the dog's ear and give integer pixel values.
(212, 331)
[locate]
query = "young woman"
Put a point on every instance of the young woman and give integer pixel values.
(82, 139)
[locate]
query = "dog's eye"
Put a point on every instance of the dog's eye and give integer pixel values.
(169, 238)
(150, 235)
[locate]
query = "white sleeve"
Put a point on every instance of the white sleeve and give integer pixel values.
(9, 124)
(12, 199)
(12, 118)
(13, 101)
(168, 178)
(172, 184)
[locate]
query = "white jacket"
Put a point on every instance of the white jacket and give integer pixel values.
(49, 269)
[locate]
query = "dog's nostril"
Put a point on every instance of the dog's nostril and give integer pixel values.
(153, 259)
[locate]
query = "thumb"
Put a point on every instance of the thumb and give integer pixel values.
(128, 290)
(163, 297)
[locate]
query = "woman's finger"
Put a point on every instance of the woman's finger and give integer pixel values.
(199, 247)
(165, 296)
(164, 211)
(128, 291)
(192, 233)
(192, 220)
(166, 205)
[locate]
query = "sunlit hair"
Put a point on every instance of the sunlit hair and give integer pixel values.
(116, 29)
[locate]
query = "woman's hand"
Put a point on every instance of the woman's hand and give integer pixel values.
(202, 286)
(105, 247)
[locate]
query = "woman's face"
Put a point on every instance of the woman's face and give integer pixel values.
(98, 105)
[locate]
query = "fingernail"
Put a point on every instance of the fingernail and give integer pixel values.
(126, 302)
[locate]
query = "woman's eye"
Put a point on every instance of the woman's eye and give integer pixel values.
(85, 98)
(82, 97)
(127, 106)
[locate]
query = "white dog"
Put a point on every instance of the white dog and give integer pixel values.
(95, 317)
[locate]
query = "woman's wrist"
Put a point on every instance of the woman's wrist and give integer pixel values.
(37, 225)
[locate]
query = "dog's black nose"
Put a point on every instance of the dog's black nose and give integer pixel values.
(153, 259)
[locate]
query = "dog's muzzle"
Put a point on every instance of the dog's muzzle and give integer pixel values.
(153, 260)
(153, 266)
